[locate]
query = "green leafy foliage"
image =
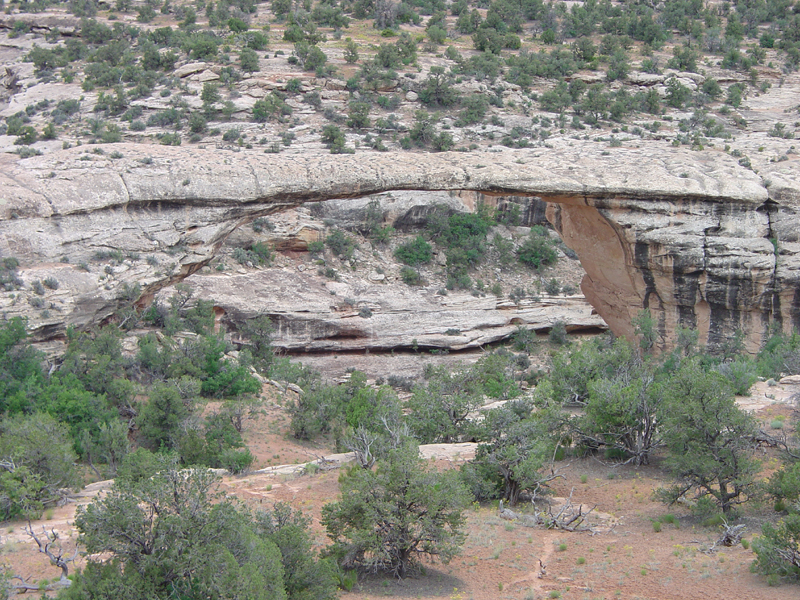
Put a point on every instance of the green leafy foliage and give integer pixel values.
(387, 518)
(574, 370)
(709, 438)
(437, 90)
(513, 459)
(784, 486)
(339, 409)
(623, 411)
(340, 244)
(439, 408)
(781, 354)
(270, 107)
(333, 137)
(36, 463)
(172, 535)
(537, 250)
(463, 235)
(259, 331)
(778, 548)
(414, 253)
(305, 576)
(20, 366)
(162, 417)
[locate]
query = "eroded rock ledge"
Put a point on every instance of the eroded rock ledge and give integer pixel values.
(692, 236)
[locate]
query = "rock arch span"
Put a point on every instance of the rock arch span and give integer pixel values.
(694, 237)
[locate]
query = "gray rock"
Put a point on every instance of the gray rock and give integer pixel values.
(685, 234)
(308, 318)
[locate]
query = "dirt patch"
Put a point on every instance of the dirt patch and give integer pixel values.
(624, 557)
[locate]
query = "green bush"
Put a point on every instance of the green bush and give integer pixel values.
(26, 135)
(553, 287)
(258, 254)
(558, 333)
(537, 250)
(141, 525)
(437, 89)
(514, 456)
(232, 134)
(414, 253)
(39, 452)
(271, 107)
(358, 115)
(340, 244)
(473, 110)
(248, 60)
(410, 276)
(387, 518)
(709, 439)
(236, 460)
(778, 549)
(334, 138)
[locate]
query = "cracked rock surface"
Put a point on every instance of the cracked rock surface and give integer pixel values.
(699, 240)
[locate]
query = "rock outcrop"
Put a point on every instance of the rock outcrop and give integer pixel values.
(337, 316)
(693, 236)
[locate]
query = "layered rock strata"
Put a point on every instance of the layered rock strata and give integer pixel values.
(336, 316)
(699, 240)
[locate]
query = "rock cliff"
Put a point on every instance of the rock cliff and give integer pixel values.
(311, 315)
(699, 240)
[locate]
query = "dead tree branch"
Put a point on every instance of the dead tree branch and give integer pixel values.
(731, 536)
(50, 546)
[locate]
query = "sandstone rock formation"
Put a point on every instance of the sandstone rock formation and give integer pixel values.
(334, 316)
(685, 234)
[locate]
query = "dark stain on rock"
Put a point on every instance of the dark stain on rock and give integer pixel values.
(641, 255)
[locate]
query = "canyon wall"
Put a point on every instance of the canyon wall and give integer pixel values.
(699, 240)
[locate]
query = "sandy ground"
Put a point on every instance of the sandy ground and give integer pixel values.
(624, 557)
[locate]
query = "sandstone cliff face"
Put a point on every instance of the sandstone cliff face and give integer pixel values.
(685, 234)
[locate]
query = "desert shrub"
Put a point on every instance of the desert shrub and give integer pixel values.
(778, 549)
(358, 115)
(513, 459)
(271, 107)
(437, 89)
(709, 439)
(463, 235)
(232, 134)
(537, 250)
(339, 409)
(473, 110)
(414, 253)
(334, 138)
(141, 524)
(40, 464)
(248, 60)
(257, 254)
(340, 244)
(387, 517)
(558, 333)
(410, 276)
(553, 287)
(781, 354)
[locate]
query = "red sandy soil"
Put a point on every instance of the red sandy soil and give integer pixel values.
(625, 558)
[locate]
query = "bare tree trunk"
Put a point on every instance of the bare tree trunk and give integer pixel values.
(55, 552)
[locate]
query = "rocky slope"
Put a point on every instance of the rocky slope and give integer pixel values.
(685, 234)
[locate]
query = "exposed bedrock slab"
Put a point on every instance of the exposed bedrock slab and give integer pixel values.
(685, 234)
(316, 316)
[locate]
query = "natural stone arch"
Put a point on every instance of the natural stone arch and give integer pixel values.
(686, 234)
